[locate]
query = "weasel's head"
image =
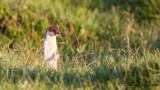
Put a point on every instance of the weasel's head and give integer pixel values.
(53, 30)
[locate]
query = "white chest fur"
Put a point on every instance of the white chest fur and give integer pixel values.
(50, 51)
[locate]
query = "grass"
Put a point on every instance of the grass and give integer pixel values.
(103, 44)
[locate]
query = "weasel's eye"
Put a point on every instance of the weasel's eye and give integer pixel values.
(49, 30)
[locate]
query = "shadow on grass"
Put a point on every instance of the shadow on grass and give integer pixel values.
(139, 76)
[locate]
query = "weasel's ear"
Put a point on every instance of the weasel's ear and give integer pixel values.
(57, 27)
(49, 27)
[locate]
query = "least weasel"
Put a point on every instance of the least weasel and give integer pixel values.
(50, 50)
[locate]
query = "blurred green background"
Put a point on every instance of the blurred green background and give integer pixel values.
(97, 36)
(107, 22)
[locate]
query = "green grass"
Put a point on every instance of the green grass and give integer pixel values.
(108, 44)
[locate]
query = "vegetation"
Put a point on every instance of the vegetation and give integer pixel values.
(104, 44)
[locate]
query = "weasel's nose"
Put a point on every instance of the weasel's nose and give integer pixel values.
(58, 32)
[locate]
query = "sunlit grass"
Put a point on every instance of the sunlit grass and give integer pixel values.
(23, 67)
(101, 47)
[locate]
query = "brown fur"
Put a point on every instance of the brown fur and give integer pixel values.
(54, 29)
(58, 65)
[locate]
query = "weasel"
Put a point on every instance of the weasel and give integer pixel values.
(50, 50)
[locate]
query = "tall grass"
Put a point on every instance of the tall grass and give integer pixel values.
(108, 44)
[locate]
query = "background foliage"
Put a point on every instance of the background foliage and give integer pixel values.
(103, 44)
